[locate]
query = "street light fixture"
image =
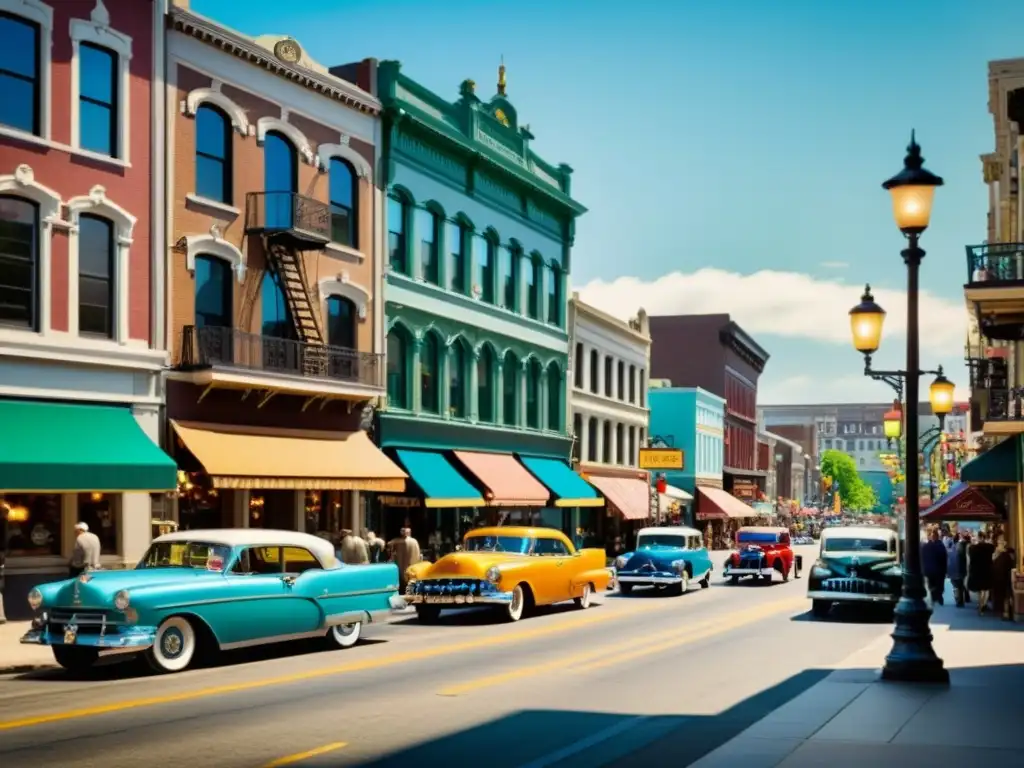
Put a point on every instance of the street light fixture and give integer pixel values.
(940, 394)
(892, 422)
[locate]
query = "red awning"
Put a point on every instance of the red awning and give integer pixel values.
(716, 504)
(632, 497)
(963, 503)
(508, 482)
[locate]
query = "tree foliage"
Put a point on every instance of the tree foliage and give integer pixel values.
(854, 492)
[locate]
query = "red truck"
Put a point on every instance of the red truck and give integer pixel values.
(761, 553)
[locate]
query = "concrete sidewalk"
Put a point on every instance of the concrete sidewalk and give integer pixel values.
(852, 718)
(15, 657)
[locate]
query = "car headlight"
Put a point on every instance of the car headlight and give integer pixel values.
(493, 574)
(820, 573)
(679, 566)
(35, 599)
(122, 600)
(620, 561)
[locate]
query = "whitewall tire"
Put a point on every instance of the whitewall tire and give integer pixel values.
(583, 601)
(344, 635)
(517, 607)
(174, 647)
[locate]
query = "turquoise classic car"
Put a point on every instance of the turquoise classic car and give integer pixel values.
(197, 592)
(670, 558)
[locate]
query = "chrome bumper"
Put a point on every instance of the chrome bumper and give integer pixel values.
(128, 640)
(625, 578)
(850, 597)
(748, 571)
(495, 598)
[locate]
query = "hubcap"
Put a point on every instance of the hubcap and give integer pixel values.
(346, 629)
(517, 601)
(172, 642)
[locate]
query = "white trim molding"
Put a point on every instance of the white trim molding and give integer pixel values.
(22, 183)
(97, 30)
(341, 286)
(196, 98)
(39, 13)
(267, 124)
(211, 245)
(97, 204)
(343, 150)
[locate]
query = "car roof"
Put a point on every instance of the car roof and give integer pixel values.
(674, 530)
(763, 529)
(256, 537)
(518, 530)
(858, 532)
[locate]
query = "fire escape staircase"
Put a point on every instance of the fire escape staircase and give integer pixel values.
(286, 262)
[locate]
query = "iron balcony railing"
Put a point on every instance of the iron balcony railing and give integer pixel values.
(995, 263)
(288, 213)
(1003, 404)
(215, 347)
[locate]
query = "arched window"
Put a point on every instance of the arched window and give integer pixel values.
(342, 317)
(485, 384)
(457, 377)
(510, 389)
(592, 439)
(398, 219)
(577, 366)
(344, 194)
(577, 434)
(213, 154)
(277, 320)
(280, 180)
(398, 367)
(19, 262)
(594, 370)
(96, 276)
(430, 392)
(620, 444)
(214, 292)
(555, 392)
(533, 395)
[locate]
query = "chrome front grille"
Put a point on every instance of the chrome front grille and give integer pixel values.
(454, 586)
(856, 586)
(89, 622)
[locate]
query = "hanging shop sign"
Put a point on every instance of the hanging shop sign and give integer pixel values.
(661, 458)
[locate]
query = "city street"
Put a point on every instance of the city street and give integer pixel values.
(629, 680)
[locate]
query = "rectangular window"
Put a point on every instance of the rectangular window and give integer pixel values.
(33, 523)
(507, 276)
(99, 512)
(607, 376)
(456, 237)
(95, 276)
(632, 384)
(19, 74)
(426, 228)
(19, 259)
(343, 189)
(484, 278)
(536, 280)
(577, 365)
(643, 391)
(396, 236)
(97, 101)
(620, 382)
(555, 297)
(213, 154)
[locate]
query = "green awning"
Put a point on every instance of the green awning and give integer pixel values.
(441, 483)
(568, 488)
(50, 447)
(997, 466)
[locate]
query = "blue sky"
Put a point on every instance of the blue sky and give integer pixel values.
(738, 143)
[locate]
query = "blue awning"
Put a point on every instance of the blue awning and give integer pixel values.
(997, 466)
(441, 483)
(568, 488)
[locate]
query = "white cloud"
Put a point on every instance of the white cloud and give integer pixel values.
(788, 304)
(835, 264)
(789, 390)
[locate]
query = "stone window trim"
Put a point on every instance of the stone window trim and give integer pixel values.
(216, 246)
(341, 285)
(281, 125)
(344, 151)
(196, 98)
(22, 184)
(97, 30)
(98, 204)
(38, 12)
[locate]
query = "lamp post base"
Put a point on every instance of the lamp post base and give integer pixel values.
(912, 658)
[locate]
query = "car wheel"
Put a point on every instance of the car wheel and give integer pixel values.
(344, 635)
(517, 607)
(625, 588)
(706, 581)
(75, 659)
(782, 570)
(734, 580)
(428, 614)
(174, 646)
(767, 579)
(820, 608)
(583, 601)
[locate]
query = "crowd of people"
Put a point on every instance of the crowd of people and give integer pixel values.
(981, 565)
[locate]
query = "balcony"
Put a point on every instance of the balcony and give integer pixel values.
(230, 358)
(300, 221)
(995, 289)
(1000, 410)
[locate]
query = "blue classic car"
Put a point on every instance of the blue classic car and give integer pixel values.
(667, 558)
(203, 591)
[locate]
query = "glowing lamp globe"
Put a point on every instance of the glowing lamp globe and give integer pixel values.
(892, 422)
(940, 394)
(866, 321)
(912, 191)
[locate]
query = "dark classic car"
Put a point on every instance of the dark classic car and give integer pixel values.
(856, 565)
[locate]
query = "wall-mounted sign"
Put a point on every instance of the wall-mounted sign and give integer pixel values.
(661, 458)
(745, 489)
(400, 501)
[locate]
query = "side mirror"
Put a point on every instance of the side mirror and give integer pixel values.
(289, 580)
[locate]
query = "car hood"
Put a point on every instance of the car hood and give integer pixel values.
(470, 565)
(846, 562)
(101, 586)
(660, 557)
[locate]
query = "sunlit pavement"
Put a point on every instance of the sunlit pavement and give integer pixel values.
(611, 685)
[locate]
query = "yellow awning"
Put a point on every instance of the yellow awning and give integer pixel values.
(242, 457)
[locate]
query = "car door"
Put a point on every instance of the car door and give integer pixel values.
(304, 583)
(554, 577)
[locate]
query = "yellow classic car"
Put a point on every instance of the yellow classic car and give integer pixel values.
(510, 567)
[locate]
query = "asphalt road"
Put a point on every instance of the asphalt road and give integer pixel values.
(629, 681)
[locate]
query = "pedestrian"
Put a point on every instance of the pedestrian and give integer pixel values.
(979, 569)
(953, 572)
(374, 547)
(1002, 581)
(405, 551)
(961, 557)
(86, 554)
(934, 559)
(353, 549)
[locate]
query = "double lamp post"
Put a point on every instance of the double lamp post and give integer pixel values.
(912, 658)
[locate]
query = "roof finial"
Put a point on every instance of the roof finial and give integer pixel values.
(501, 77)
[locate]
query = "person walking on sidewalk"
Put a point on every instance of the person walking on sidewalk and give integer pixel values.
(953, 571)
(1002, 581)
(933, 562)
(86, 554)
(963, 542)
(405, 551)
(979, 569)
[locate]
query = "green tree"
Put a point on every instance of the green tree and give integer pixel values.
(855, 493)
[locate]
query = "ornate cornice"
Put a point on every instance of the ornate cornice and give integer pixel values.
(236, 45)
(748, 350)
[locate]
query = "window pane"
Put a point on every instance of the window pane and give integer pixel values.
(341, 322)
(19, 54)
(342, 225)
(426, 230)
(212, 132)
(94, 318)
(397, 366)
(213, 292)
(510, 389)
(277, 322)
(485, 385)
(34, 528)
(554, 398)
(428, 374)
(18, 103)
(95, 275)
(96, 74)
(210, 178)
(555, 297)
(18, 244)
(341, 183)
(507, 276)
(279, 165)
(95, 246)
(396, 235)
(96, 126)
(455, 237)
(456, 383)
(531, 288)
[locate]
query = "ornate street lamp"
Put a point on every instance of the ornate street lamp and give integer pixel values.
(940, 395)
(892, 422)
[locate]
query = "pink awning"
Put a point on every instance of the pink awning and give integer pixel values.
(716, 504)
(630, 496)
(508, 483)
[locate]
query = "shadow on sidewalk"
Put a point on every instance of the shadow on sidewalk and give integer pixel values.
(968, 619)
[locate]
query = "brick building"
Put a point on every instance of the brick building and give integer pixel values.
(81, 281)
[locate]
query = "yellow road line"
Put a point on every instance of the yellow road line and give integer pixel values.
(619, 652)
(342, 669)
(298, 757)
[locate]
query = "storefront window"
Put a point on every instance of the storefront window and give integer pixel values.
(99, 512)
(199, 504)
(272, 509)
(324, 512)
(33, 523)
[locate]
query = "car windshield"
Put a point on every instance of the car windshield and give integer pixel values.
(185, 554)
(756, 537)
(647, 541)
(518, 544)
(844, 544)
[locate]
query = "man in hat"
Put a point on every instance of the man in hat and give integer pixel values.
(86, 555)
(353, 549)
